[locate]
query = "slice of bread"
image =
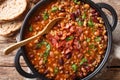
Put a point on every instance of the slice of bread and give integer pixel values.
(9, 28)
(12, 9)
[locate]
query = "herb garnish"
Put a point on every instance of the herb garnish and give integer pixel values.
(83, 61)
(54, 9)
(74, 67)
(90, 23)
(47, 51)
(45, 15)
(31, 28)
(84, 15)
(56, 70)
(69, 38)
(88, 39)
(76, 2)
(98, 39)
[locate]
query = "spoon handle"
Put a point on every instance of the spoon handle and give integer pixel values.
(18, 44)
(22, 43)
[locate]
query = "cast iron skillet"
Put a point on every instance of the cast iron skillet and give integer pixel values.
(109, 28)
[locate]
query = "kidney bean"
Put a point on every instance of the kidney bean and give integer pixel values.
(37, 18)
(72, 16)
(77, 13)
(31, 56)
(69, 55)
(61, 61)
(94, 19)
(74, 77)
(93, 11)
(97, 14)
(87, 68)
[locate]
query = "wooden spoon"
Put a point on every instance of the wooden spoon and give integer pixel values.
(23, 42)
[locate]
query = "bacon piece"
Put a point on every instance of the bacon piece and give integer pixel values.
(78, 31)
(68, 44)
(76, 45)
(49, 37)
(57, 37)
(54, 42)
(72, 29)
(61, 44)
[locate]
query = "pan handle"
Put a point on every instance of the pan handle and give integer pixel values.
(113, 13)
(19, 68)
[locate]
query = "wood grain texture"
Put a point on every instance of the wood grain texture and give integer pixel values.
(10, 73)
(110, 74)
(8, 61)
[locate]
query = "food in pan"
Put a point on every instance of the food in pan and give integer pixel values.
(74, 47)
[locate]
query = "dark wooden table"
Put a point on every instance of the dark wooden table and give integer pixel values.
(8, 71)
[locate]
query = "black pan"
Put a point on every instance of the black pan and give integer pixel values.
(109, 28)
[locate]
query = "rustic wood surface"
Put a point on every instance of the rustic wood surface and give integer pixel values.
(8, 71)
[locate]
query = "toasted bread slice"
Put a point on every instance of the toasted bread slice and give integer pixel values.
(12, 9)
(9, 28)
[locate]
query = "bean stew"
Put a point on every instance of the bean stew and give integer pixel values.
(74, 47)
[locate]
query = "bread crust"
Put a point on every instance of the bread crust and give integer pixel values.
(12, 9)
(9, 28)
